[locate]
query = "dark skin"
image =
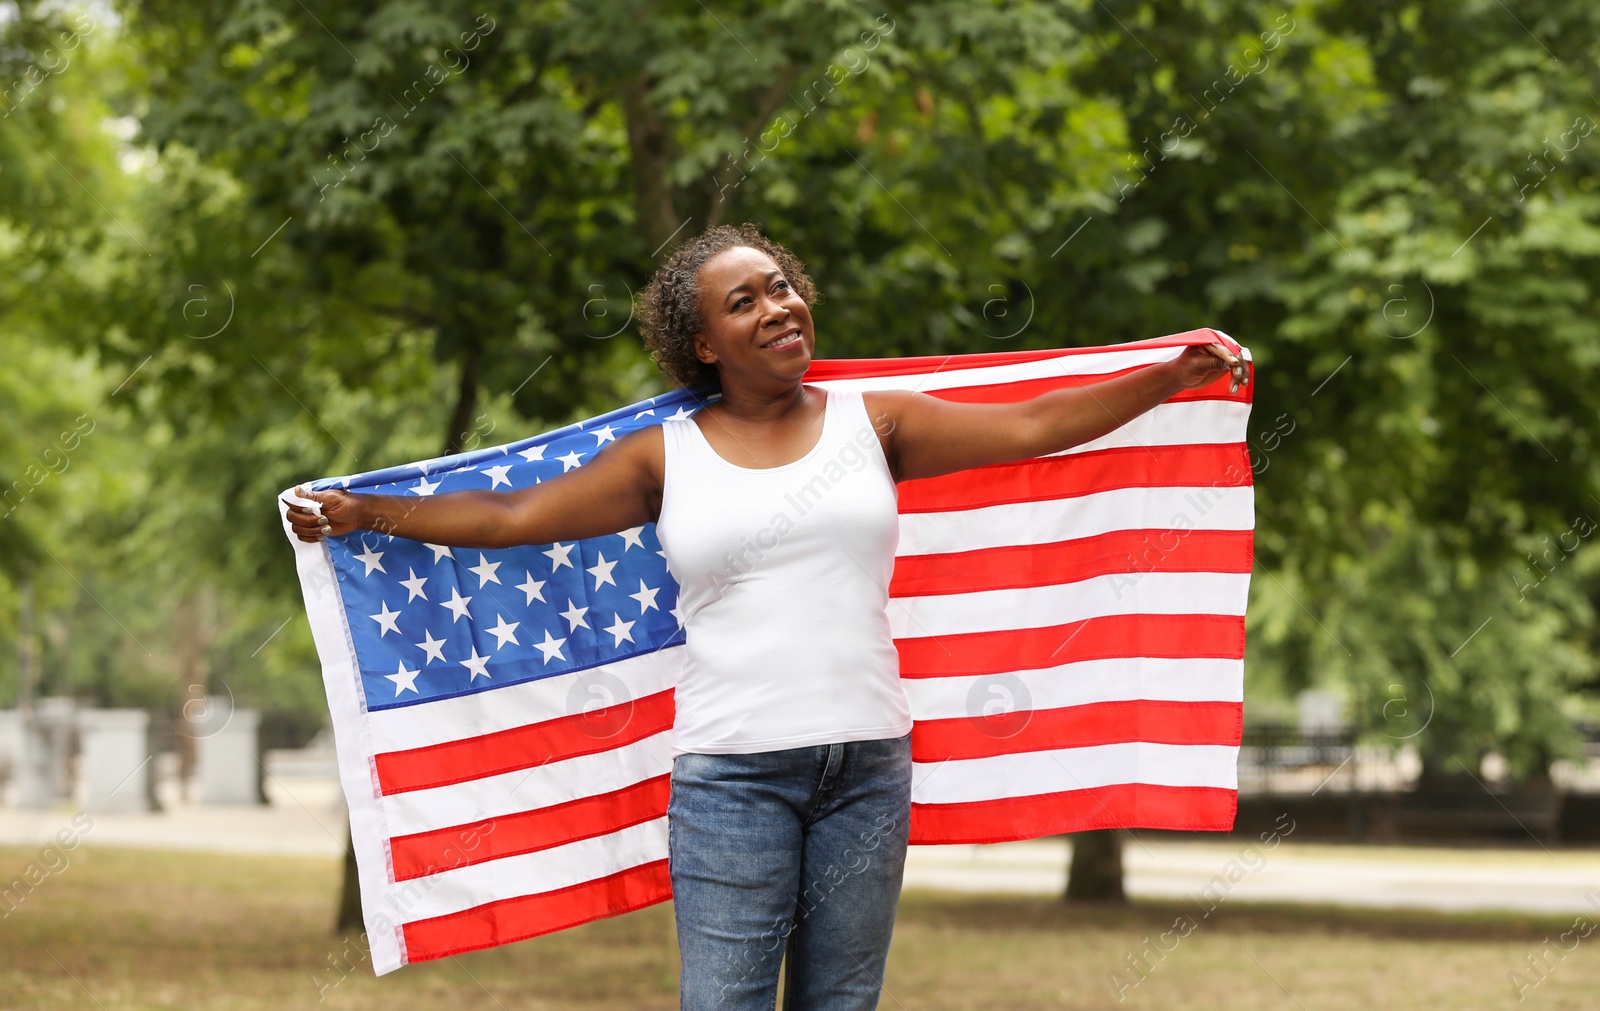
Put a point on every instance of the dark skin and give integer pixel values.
(766, 418)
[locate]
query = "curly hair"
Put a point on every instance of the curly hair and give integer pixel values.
(670, 315)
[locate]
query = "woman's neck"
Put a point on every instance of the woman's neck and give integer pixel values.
(758, 407)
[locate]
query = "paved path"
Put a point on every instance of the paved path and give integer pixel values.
(306, 818)
(1449, 880)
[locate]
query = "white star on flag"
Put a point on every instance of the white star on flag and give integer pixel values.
(646, 597)
(682, 414)
(457, 604)
(532, 587)
(424, 488)
(569, 461)
(431, 646)
(551, 647)
(498, 476)
(485, 570)
(630, 538)
(620, 629)
(414, 585)
(532, 454)
(369, 558)
(605, 435)
(404, 680)
(504, 633)
(386, 620)
(602, 572)
(558, 555)
(574, 615)
(439, 551)
(476, 664)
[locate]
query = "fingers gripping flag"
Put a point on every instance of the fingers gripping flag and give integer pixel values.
(1070, 629)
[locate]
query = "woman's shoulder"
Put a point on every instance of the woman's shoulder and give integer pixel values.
(835, 395)
(643, 445)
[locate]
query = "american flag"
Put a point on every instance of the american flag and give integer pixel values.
(1070, 629)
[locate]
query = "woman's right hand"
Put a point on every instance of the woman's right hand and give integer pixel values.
(341, 514)
(617, 488)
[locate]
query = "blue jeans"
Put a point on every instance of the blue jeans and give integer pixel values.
(799, 850)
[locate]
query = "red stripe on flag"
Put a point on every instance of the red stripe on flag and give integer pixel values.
(1172, 808)
(867, 368)
(524, 747)
(517, 919)
(1146, 720)
(424, 853)
(1174, 636)
(872, 368)
(1023, 565)
(1224, 465)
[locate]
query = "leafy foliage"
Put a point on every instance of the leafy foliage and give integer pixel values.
(321, 238)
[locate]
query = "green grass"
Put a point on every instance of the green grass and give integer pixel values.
(122, 929)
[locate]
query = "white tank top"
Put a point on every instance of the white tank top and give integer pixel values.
(783, 578)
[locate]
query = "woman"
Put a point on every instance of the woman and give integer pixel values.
(791, 778)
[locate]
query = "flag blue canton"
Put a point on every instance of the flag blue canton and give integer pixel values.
(430, 621)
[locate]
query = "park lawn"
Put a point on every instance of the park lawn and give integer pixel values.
(121, 929)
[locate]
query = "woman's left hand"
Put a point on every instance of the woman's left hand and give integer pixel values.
(1202, 363)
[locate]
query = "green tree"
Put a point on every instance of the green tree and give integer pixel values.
(395, 207)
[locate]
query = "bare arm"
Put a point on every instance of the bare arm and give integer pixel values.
(928, 436)
(617, 489)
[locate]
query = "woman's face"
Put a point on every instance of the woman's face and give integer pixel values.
(757, 328)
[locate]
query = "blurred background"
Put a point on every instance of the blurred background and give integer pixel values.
(248, 244)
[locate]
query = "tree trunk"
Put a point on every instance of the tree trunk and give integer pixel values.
(650, 151)
(27, 655)
(194, 631)
(1096, 873)
(461, 420)
(350, 895)
(731, 171)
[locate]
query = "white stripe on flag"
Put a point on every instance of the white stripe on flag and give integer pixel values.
(1086, 682)
(1039, 606)
(1175, 423)
(512, 706)
(462, 888)
(529, 789)
(325, 612)
(1093, 364)
(1068, 519)
(1030, 773)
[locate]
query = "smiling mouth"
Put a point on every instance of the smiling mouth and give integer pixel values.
(783, 341)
